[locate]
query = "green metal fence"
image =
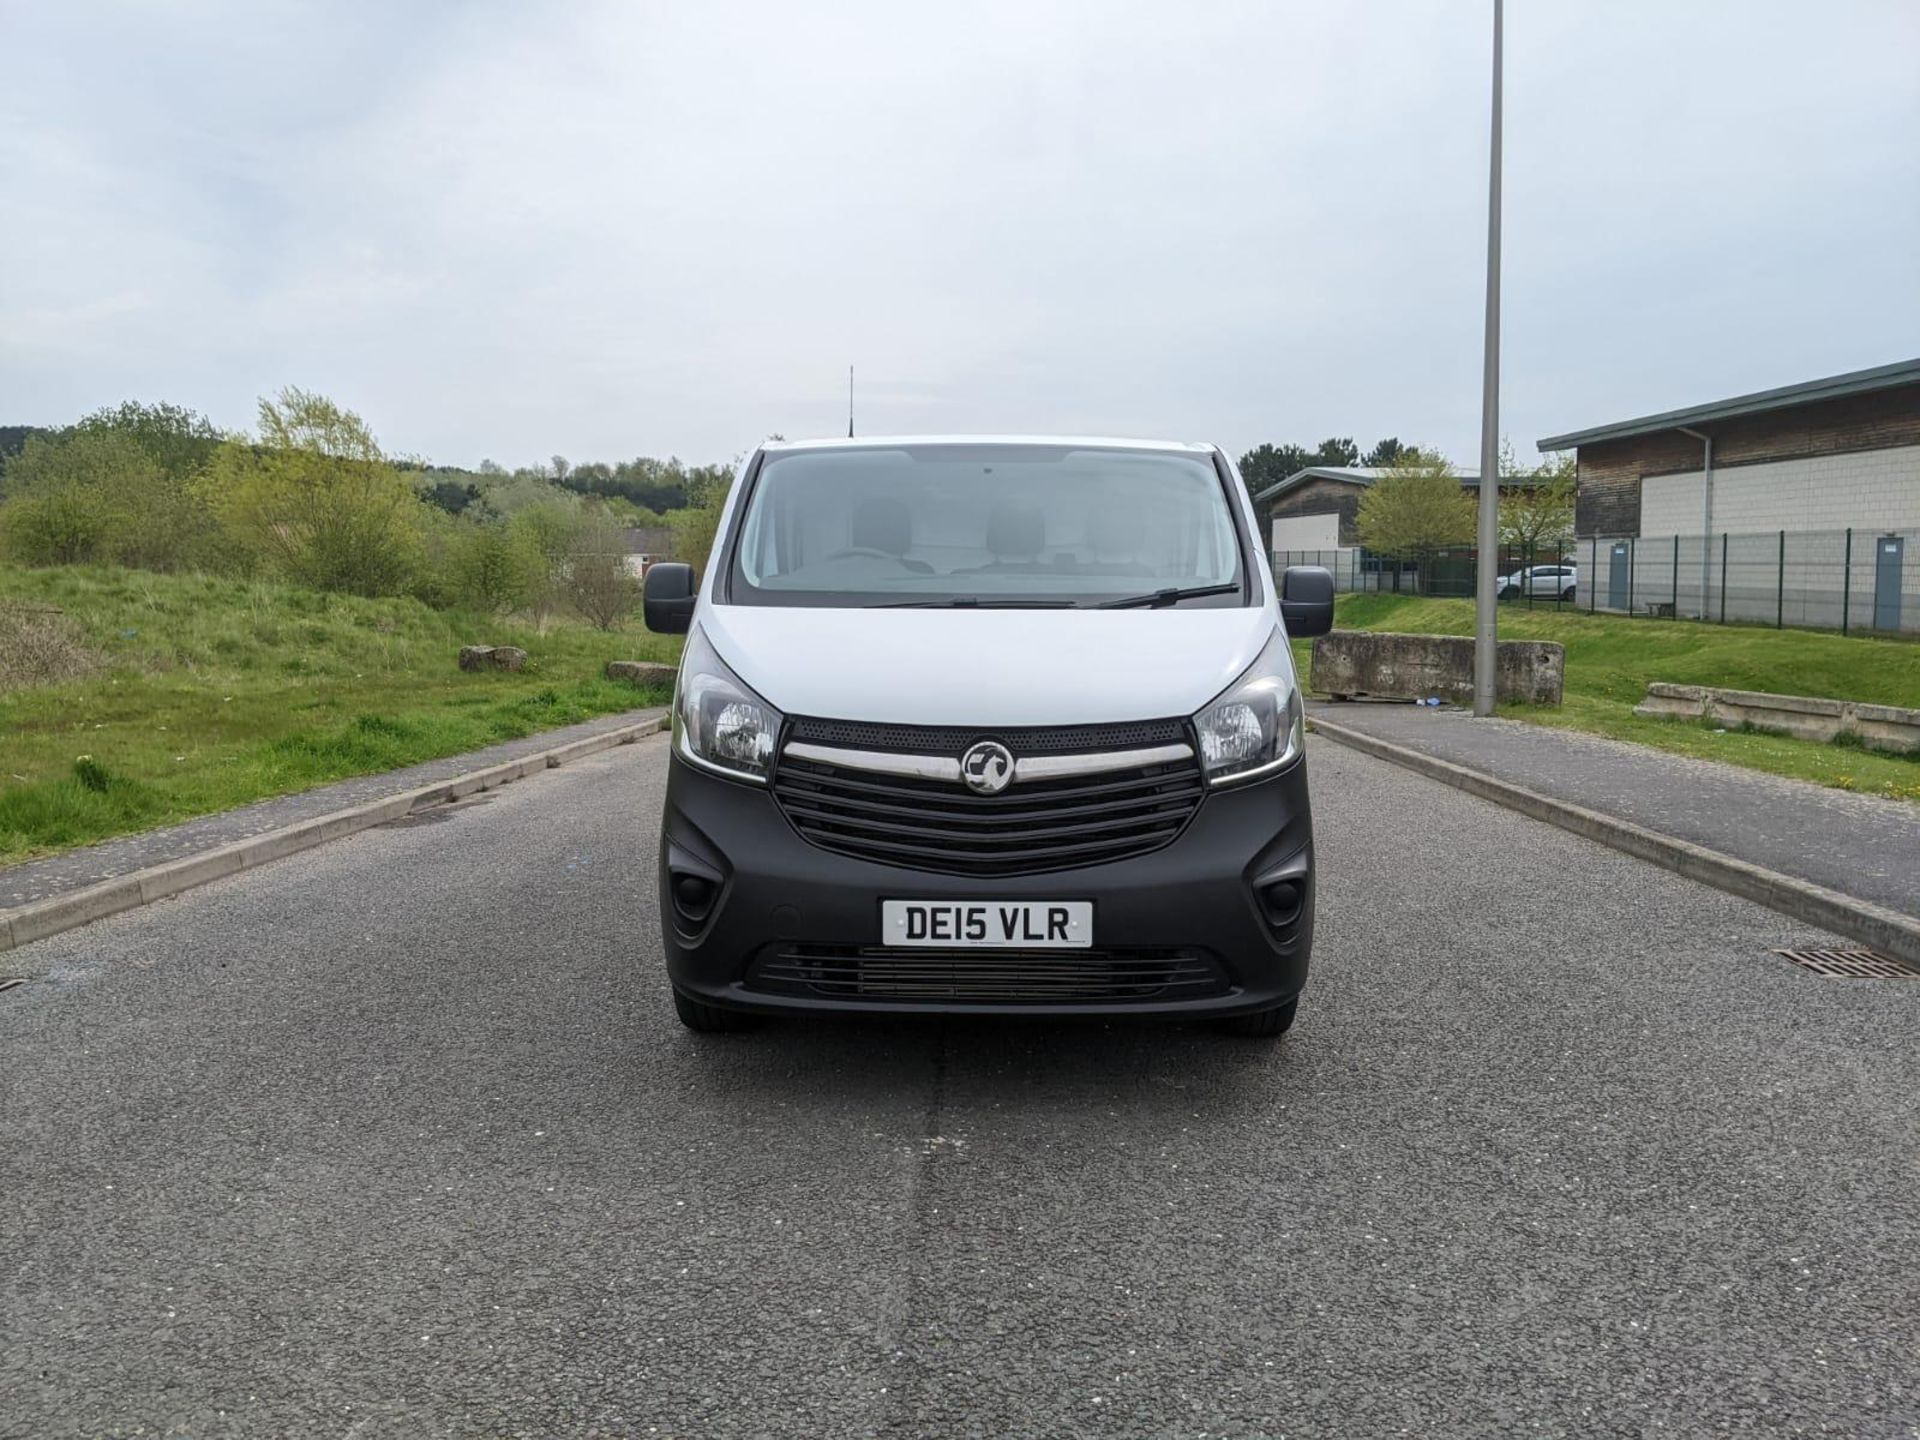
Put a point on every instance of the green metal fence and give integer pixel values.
(1846, 580)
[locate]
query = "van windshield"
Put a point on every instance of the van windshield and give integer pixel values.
(1041, 525)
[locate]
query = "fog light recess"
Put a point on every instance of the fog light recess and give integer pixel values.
(1280, 902)
(693, 895)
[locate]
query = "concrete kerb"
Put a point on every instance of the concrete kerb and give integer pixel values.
(27, 923)
(1887, 931)
(96, 902)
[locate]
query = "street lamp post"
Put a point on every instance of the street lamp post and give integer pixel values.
(1485, 623)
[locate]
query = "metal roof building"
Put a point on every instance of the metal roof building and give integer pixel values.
(1794, 488)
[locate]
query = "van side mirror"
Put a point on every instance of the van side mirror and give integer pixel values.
(669, 593)
(1306, 600)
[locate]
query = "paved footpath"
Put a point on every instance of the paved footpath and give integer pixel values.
(33, 880)
(1859, 845)
(399, 1138)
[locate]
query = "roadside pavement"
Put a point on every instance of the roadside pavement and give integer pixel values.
(32, 881)
(1858, 845)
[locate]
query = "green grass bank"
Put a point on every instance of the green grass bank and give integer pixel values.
(1611, 660)
(130, 700)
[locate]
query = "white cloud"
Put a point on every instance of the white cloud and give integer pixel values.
(620, 229)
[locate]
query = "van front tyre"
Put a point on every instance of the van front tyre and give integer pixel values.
(1262, 1024)
(710, 1019)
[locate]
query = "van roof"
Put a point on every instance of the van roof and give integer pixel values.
(892, 442)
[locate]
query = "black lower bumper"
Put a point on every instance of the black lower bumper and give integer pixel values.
(1217, 923)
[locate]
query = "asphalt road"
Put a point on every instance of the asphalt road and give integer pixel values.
(400, 1138)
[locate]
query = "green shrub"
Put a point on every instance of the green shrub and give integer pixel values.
(62, 527)
(594, 576)
(95, 493)
(494, 568)
(317, 501)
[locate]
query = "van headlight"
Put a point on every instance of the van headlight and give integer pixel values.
(1258, 724)
(718, 722)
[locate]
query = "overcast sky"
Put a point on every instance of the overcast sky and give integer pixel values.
(615, 229)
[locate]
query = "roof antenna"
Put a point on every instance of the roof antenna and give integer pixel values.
(849, 402)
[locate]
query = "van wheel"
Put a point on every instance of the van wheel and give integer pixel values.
(1262, 1024)
(710, 1019)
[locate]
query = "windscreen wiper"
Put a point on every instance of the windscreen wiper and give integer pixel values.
(974, 602)
(1171, 596)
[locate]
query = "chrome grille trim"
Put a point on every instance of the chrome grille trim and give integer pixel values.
(1026, 767)
(917, 767)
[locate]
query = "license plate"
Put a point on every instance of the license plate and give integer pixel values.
(988, 924)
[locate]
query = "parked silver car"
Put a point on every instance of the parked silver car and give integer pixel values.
(1542, 582)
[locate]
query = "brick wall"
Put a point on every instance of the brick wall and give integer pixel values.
(1612, 472)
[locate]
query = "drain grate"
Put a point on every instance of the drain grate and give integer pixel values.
(7, 982)
(1852, 964)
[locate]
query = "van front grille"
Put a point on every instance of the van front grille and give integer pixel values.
(875, 972)
(1032, 826)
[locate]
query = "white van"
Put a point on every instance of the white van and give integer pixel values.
(987, 726)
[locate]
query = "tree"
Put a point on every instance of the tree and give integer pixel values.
(548, 528)
(1268, 465)
(495, 569)
(1384, 453)
(1340, 453)
(56, 510)
(115, 488)
(595, 578)
(1416, 509)
(93, 493)
(696, 524)
(450, 495)
(180, 440)
(13, 439)
(708, 484)
(316, 499)
(1536, 518)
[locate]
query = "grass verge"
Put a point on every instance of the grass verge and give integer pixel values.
(1611, 660)
(218, 692)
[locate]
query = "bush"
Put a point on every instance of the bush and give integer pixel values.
(317, 501)
(494, 569)
(595, 578)
(176, 439)
(97, 494)
(62, 527)
(694, 530)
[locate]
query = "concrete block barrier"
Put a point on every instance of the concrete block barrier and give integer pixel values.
(1392, 666)
(1806, 717)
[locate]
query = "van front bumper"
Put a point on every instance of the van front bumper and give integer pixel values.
(771, 908)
